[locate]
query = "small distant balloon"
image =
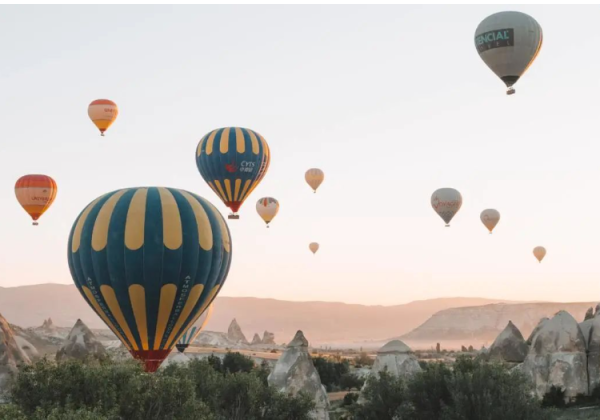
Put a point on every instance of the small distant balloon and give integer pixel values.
(314, 247)
(267, 208)
(446, 202)
(508, 42)
(35, 193)
(539, 252)
(103, 112)
(314, 177)
(490, 218)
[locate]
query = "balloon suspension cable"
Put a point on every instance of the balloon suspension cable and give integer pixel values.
(510, 91)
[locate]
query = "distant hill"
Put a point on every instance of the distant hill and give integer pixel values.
(481, 325)
(322, 322)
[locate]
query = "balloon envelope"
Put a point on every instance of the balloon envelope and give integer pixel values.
(267, 208)
(233, 161)
(539, 252)
(508, 42)
(314, 177)
(490, 218)
(194, 331)
(103, 112)
(314, 247)
(35, 193)
(149, 261)
(446, 202)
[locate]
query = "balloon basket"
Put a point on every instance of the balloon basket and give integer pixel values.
(447, 225)
(511, 91)
(35, 224)
(233, 217)
(181, 347)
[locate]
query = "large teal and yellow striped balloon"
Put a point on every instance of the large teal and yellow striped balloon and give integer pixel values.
(233, 161)
(149, 261)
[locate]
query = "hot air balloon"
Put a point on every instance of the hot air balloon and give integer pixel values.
(446, 202)
(508, 42)
(314, 177)
(314, 247)
(539, 252)
(35, 194)
(103, 113)
(149, 261)
(267, 208)
(490, 218)
(193, 332)
(233, 161)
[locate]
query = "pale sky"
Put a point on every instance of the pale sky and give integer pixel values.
(392, 102)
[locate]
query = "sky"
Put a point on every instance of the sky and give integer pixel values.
(392, 102)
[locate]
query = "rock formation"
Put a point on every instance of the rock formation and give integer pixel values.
(509, 346)
(235, 334)
(397, 358)
(558, 357)
(589, 314)
(463, 349)
(80, 344)
(597, 309)
(294, 372)
(30, 350)
(536, 330)
(268, 338)
(256, 339)
(176, 358)
(593, 366)
(11, 354)
(48, 325)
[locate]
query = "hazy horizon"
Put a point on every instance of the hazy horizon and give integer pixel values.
(392, 102)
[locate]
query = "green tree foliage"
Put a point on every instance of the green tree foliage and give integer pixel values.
(331, 372)
(349, 381)
(363, 359)
(200, 390)
(237, 362)
(472, 390)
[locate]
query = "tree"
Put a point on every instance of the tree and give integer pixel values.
(363, 359)
(237, 362)
(385, 399)
(349, 381)
(331, 372)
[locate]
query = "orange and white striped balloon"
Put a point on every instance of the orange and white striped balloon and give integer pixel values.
(103, 113)
(35, 194)
(314, 177)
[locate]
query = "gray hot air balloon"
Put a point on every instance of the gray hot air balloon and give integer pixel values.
(508, 42)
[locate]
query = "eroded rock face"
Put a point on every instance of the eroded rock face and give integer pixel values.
(268, 338)
(537, 329)
(589, 314)
(11, 354)
(294, 372)
(558, 357)
(256, 339)
(235, 334)
(397, 358)
(594, 354)
(80, 344)
(509, 346)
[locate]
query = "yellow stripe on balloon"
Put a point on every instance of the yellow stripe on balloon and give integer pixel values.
(185, 313)
(171, 220)
(224, 146)
(240, 142)
(101, 314)
(100, 232)
(221, 192)
(136, 219)
(243, 194)
(205, 236)
(167, 297)
(210, 141)
(208, 300)
(79, 227)
(113, 304)
(254, 142)
(228, 189)
(210, 184)
(199, 149)
(237, 188)
(265, 146)
(137, 296)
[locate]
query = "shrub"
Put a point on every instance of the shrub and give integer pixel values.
(429, 391)
(237, 362)
(555, 397)
(385, 399)
(350, 398)
(350, 381)
(363, 359)
(331, 372)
